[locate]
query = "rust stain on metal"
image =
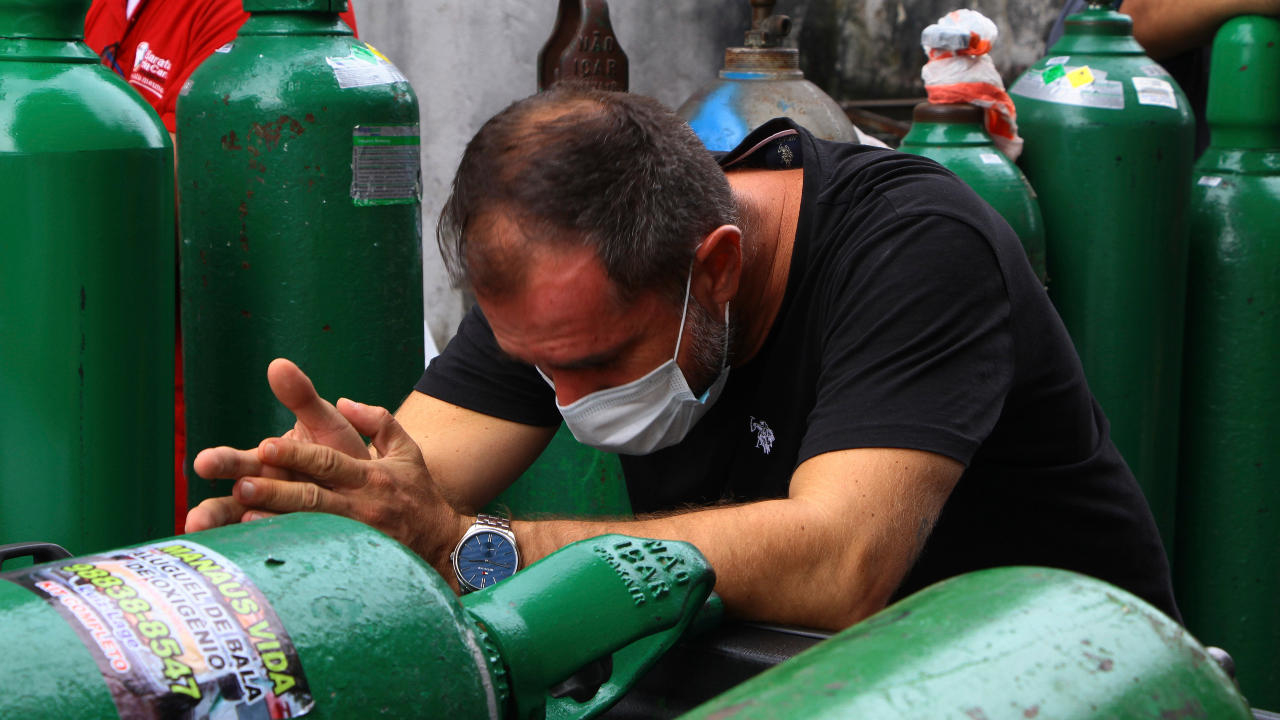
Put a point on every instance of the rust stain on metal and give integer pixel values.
(231, 142)
(1190, 709)
(1033, 711)
(731, 710)
(1105, 664)
(270, 132)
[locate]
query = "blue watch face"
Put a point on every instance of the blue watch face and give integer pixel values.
(485, 558)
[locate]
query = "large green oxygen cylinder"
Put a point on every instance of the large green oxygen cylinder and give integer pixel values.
(954, 137)
(301, 224)
(1008, 642)
(1109, 148)
(86, 291)
(1227, 576)
(323, 616)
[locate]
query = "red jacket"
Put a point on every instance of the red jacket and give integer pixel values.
(163, 42)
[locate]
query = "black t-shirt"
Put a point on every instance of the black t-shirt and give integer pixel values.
(911, 319)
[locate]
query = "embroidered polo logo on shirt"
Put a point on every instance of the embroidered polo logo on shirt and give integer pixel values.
(785, 154)
(764, 434)
(150, 71)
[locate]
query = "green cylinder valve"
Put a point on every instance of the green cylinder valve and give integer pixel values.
(572, 612)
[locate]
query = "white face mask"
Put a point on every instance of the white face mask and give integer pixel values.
(648, 414)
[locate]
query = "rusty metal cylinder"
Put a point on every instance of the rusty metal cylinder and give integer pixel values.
(301, 224)
(1010, 642)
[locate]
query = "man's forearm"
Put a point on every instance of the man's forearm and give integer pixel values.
(783, 561)
(1168, 27)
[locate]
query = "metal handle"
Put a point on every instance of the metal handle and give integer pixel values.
(39, 552)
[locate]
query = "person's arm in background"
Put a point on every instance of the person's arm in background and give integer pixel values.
(1165, 28)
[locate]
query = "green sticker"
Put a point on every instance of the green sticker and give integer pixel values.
(1052, 73)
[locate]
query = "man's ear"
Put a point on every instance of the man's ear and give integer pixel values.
(717, 268)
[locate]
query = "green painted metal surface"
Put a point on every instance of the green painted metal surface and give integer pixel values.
(618, 595)
(301, 227)
(1227, 577)
(953, 136)
(60, 678)
(86, 291)
(1109, 148)
(1000, 643)
(568, 479)
(374, 629)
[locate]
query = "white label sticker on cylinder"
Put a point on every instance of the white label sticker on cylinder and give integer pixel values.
(365, 66)
(1210, 181)
(990, 158)
(1154, 91)
(385, 165)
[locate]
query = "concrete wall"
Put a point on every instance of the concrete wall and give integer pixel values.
(468, 59)
(866, 49)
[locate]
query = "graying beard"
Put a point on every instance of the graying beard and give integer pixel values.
(706, 342)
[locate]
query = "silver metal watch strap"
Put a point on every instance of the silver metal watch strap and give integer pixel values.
(493, 521)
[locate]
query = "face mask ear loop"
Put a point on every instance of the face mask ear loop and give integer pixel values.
(688, 283)
(724, 357)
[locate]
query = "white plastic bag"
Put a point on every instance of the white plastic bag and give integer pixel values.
(960, 71)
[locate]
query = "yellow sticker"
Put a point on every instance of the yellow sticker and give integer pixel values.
(1080, 76)
(375, 51)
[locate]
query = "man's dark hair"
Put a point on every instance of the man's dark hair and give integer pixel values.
(575, 166)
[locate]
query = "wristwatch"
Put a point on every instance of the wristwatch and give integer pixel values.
(486, 554)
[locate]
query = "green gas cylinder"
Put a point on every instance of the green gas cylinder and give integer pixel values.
(301, 224)
(953, 135)
(1226, 574)
(568, 479)
(1108, 148)
(1008, 642)
(323, 616)
(86, 291)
